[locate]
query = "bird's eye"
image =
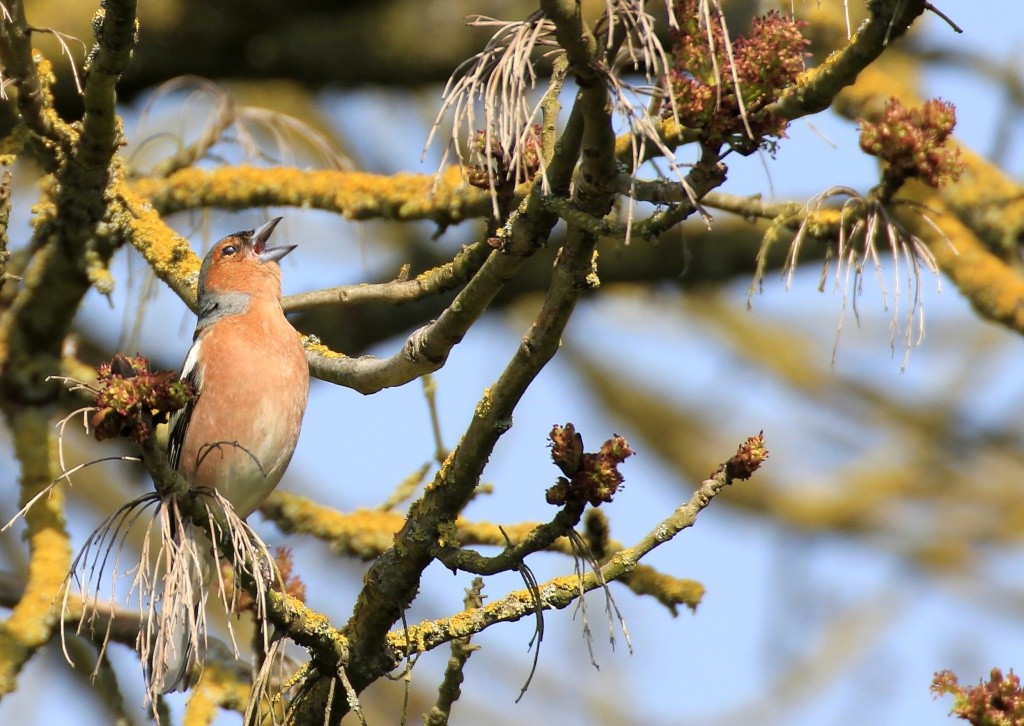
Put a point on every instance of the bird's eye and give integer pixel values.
(229, 250)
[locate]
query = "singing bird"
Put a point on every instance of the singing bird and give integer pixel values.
(237, 436)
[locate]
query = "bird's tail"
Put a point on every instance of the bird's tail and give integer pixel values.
(175, 630)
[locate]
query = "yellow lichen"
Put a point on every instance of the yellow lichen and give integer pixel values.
(168, 254)
(448, 535)
(355, 195)
(32, 620)
(483, 406)
(317, 348)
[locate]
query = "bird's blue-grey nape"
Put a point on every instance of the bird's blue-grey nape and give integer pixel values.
(216, 305)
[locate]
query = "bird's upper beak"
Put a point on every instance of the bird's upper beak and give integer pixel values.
(259, 243)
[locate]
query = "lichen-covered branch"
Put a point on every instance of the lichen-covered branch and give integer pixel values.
(435, 281)
(5, 216)
(392, 581)
(107, 621)
(705, 177)
(20, 64)
(394, 577)
(541, 537)
(367, 533)
(364, 533)
(352, 194)
(562, 591)
(133, 221)
(450, 689)
(994, 289)
(33, 619)
(68, 256)
(116, 33)
(218, 689)
(817, 88)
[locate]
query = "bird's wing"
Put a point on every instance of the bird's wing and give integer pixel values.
(191, 372)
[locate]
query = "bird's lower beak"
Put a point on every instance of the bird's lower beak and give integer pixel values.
(259, 243)
(273, 254)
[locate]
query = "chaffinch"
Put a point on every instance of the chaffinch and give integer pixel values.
(250, 373)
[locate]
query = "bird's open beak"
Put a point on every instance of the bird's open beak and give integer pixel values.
(259, 243)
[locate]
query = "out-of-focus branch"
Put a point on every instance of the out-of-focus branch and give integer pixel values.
(217, 689)
(352, 194)
(364, 533)
(63, 263)
(34, 617)
(123, 624)
(68, 254)
(134, 221)
(995, 290)
(34, 97)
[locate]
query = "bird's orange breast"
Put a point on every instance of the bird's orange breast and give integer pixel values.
(246, 421)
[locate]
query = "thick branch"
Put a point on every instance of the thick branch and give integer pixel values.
(116, 33)
(69, 255)
(994, 288)
(393, 580)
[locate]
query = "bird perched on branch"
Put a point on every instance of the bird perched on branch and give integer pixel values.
(237, 436)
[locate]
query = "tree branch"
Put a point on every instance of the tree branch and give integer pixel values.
(558, 593)
(446, 199)
(436, 281)
(35, 101)
(32, 620)
(818, 87)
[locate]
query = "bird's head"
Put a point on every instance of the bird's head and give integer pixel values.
(243, 263)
